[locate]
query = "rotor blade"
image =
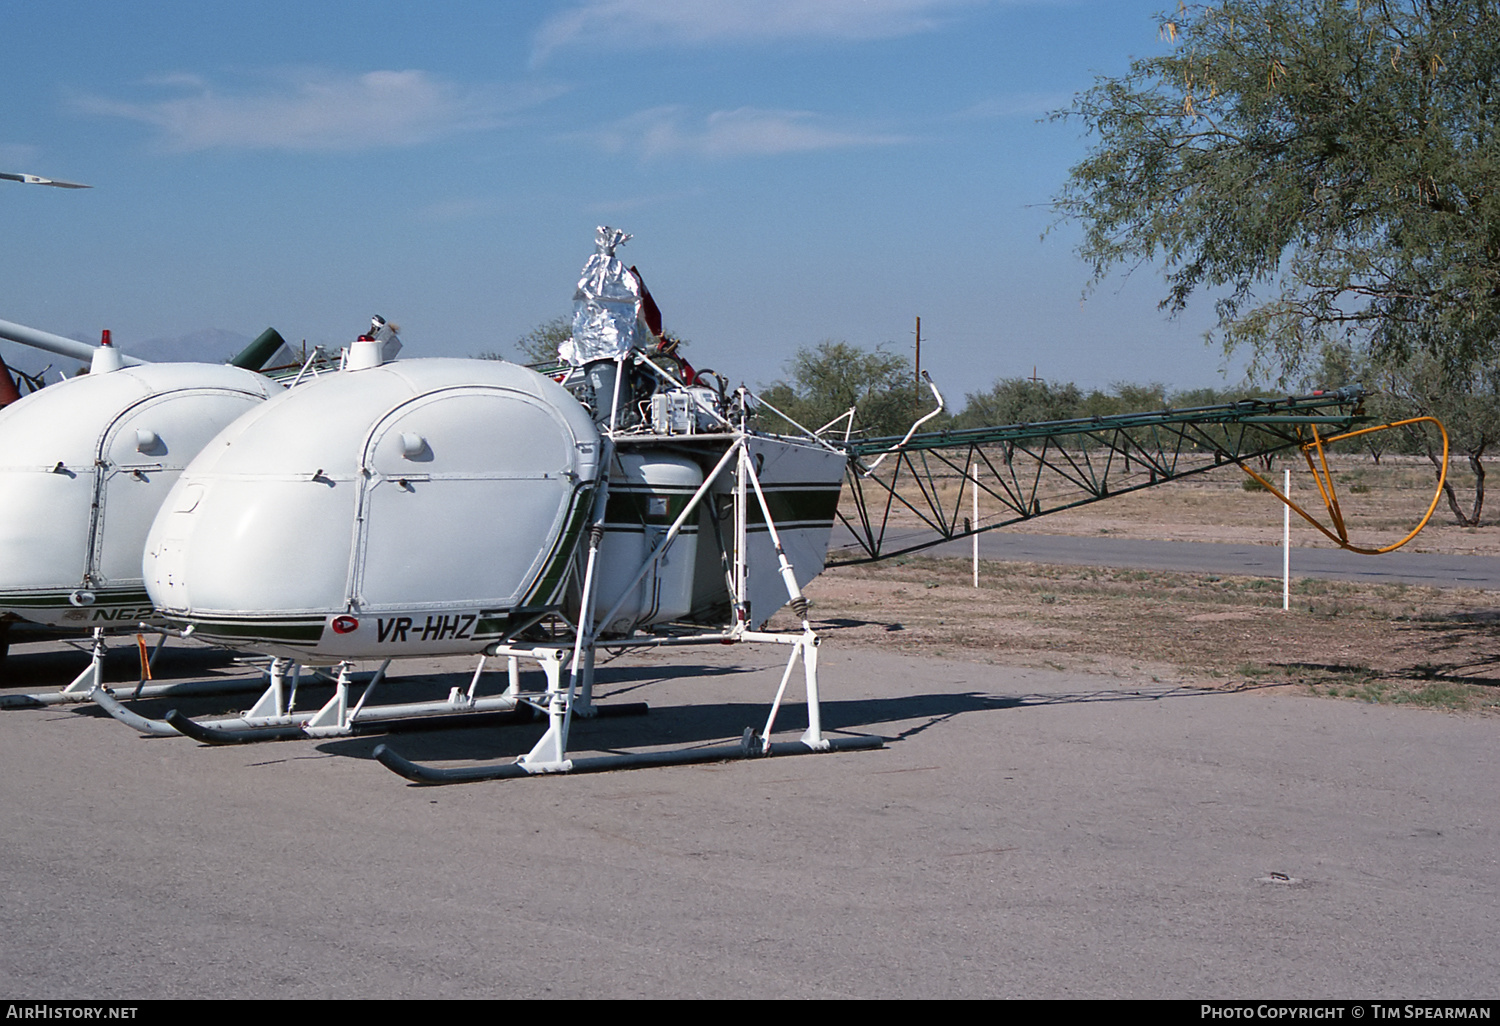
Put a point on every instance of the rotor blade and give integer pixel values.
(71, 348)
(39, 180)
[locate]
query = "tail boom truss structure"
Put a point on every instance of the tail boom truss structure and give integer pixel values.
(917, 498)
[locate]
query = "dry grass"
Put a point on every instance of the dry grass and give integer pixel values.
(1378, 643)
(1380, 504)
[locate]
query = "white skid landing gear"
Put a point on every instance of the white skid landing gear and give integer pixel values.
(274, 716)
(549, 756)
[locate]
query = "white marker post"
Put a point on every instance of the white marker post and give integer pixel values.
(974, 475)
(1286, 541)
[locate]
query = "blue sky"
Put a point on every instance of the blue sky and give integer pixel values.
(792, 170)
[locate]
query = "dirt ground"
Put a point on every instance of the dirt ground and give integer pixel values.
(1379, 504)
(1377, 643)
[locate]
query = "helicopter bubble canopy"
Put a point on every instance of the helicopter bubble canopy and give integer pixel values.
(467, 482)
(84, 466)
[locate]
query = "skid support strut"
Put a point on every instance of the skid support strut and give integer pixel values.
(83, 686)
(804, 648)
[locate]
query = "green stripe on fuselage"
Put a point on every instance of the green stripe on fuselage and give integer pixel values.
(796, 505)
(59, 599)
(301, 632)
(550, 579)
(634, 506)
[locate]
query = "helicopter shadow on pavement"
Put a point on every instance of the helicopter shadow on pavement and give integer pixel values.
(711, 723)
(671, 722)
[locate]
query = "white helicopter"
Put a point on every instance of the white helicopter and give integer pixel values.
(439, 507)
(442, 507)
(84, 467)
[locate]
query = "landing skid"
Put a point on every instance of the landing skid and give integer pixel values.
(548, 756)
(750, 746)
(274, 716)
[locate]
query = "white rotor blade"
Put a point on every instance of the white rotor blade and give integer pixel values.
(39, 180)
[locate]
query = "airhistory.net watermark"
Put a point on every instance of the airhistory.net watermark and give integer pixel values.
(68, 1010)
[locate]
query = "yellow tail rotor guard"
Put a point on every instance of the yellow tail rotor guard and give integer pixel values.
(1324, 478)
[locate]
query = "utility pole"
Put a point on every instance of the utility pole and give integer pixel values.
(917, 383)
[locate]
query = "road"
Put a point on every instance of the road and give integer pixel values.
(1435, 570)
(1025, 833)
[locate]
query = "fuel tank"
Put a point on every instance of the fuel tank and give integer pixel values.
(84, 466)
(647, 491)
(417, 507)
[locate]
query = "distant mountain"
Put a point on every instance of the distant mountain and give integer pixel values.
(207, 345)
